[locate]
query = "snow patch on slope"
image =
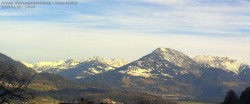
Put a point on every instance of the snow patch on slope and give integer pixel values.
(136, 71)
(219, 62)
(94, 71)
(166, 75)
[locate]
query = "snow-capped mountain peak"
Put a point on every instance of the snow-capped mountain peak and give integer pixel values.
(219, 62)
(55, 66)
(110, 62)
(174, 56)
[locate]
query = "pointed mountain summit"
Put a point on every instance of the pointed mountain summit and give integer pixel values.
(175, 57)
(164, 62)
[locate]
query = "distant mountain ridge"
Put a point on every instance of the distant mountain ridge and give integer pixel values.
(56, 67)
(219, 62)
(78, 68)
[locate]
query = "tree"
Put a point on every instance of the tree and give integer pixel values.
(13, 85)
(245, 96)
(231, 98)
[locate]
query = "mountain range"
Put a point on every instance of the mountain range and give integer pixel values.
(165, 72)
(77, 68)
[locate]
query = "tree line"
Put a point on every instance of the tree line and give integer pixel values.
(232, 98)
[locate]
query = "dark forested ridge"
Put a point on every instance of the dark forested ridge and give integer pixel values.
(7, 62)
(232, 98)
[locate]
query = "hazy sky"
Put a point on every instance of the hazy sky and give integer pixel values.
(127, 29)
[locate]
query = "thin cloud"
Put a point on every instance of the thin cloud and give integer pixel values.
(191, 19)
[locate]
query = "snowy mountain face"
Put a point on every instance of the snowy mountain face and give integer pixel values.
(62, 65)
(245, 73)
(174, 57)
(219, 62)
(163, 62)
(53, 67)
(91, 67)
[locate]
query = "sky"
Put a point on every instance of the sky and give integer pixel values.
(126, 29)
